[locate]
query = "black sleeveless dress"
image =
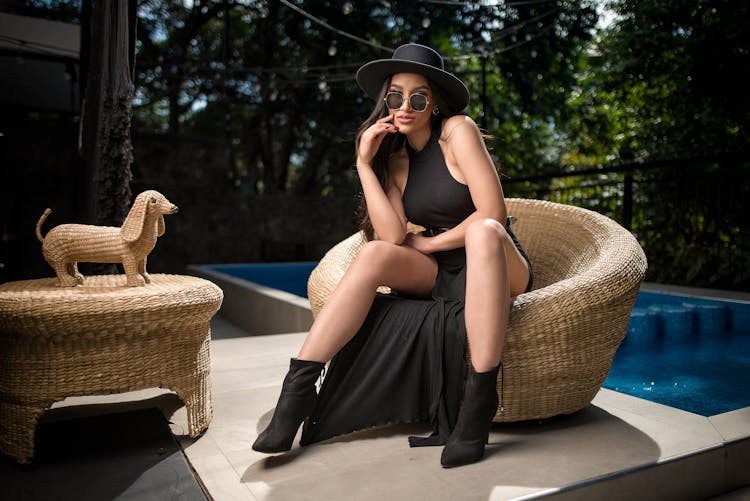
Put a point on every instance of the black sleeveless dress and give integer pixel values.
(407, 362)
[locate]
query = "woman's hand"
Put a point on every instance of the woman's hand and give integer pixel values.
(371, 139)
(418, 242)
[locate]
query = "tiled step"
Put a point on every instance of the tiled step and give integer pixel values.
(676, 321)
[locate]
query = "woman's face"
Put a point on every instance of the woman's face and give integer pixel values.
(406, 118)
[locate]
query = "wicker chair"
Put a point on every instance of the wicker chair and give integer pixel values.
(562, 335)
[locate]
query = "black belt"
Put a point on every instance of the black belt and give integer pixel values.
(431, 232)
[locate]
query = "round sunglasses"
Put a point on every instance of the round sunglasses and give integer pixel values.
(417, 102)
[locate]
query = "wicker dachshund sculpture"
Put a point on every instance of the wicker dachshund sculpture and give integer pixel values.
(67, 244)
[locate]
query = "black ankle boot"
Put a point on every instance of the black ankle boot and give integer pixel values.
(466, 443)
(296, 402)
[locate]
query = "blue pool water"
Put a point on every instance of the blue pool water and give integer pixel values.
(686, 352)
(683, 351)
(289, 277)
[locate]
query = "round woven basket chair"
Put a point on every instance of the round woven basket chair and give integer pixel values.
(562, 335)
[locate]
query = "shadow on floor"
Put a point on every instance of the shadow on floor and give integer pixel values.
(127, 454)
(381, 459)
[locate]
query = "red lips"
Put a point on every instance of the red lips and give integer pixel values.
(405, 119)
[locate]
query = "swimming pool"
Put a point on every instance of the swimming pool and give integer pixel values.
(688, 352)
(288, 277)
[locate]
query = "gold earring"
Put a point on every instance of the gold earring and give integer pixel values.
(435, 111)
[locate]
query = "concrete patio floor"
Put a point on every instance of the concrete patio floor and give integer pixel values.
(620, 447)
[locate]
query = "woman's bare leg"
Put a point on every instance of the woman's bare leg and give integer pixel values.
(495, 271)
(378, 263)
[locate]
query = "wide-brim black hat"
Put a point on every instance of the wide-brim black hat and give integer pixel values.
(414, 58)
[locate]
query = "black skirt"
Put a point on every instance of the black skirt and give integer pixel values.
(406, 364)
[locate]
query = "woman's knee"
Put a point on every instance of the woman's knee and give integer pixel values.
(376, 255)
(486, 236)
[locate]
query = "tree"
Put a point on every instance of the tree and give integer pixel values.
(275, 79)
(667, 79)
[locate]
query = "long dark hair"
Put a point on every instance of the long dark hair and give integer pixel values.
(391, 143)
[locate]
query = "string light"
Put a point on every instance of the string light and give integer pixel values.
(325, 90)
(335, 30)
(332, 49)
(323, 76)
(497, 3)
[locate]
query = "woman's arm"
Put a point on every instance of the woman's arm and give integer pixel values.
(384, 205)
(465, 149)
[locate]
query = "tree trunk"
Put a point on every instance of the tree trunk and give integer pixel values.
(104, 140)
(105, 125)
(309, 170)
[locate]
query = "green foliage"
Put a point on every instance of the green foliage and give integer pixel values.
(691, 225)
(668, 78)
(279, 86)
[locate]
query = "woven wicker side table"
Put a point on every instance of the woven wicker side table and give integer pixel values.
(101, 337)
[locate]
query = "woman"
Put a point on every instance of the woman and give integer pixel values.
(401, 357)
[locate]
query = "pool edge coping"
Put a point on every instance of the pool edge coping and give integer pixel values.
(697, 292)
(257, 317)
